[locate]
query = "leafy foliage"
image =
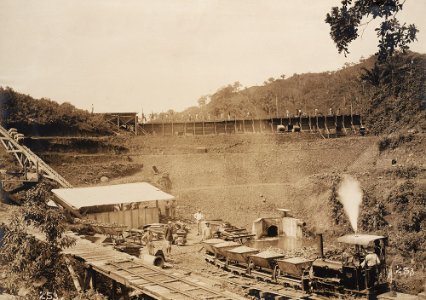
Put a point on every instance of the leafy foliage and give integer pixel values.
(409, 201)
(394, 94)
(372, 213)
(337, 213)
(345, 22)
(34, 116)
(30, 259)
(393, 142)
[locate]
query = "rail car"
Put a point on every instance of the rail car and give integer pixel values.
(347, 275)
(268, 266)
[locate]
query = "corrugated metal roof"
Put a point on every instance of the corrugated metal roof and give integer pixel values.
(111, 194)
(359, 239)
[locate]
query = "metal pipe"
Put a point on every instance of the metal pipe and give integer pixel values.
(157, 261)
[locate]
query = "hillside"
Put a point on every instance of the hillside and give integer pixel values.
(46, 117)
(390, 95)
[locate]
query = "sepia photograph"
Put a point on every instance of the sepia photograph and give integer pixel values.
(212, 149)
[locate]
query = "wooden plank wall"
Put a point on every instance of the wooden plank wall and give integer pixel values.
(132, 218)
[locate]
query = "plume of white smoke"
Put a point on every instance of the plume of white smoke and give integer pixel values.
(350, 195)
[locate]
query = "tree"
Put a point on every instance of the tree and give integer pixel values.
(36, 264)
(202, 101)
(345, 21)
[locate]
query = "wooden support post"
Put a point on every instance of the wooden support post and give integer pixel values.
(326, 127)
(215, 130)
(125, 291)
(317, 123)
(88, 282)
(193, 127)
(93, 282)
(136, 125)
(272, 125)
(202, 124)
(162, 123)
(252, 125)
(173, 131)
(343, 124)
(73, 275)
(244, 125)
(184, 128)
(235, 125)
(113, 294)
(118, 122)
(225, 126)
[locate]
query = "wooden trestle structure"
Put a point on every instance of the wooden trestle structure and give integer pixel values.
(136, 277)
(326, 126)
(32, 166)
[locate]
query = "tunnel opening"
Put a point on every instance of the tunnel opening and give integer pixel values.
(272, 231)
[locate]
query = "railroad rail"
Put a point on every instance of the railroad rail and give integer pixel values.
(259, 285)
(135, 274)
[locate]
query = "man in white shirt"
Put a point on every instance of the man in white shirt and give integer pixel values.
(198, 216)
(371, 260)
(207, 232)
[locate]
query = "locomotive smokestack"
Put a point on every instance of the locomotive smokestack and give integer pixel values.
(320, 245)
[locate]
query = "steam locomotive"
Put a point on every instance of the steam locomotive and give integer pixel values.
(348, 275)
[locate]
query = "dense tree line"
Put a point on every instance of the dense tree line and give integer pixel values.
(47, 117)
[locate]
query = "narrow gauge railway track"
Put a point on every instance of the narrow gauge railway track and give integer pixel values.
(258, 285)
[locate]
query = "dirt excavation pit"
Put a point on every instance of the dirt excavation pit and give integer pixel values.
(242, 178)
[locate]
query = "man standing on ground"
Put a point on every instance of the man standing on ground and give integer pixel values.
(371, 262)
(207, 232)
(147, 239)
(198, 216)
(167, 209)
(168, 236)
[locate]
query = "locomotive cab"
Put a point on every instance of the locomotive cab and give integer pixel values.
(365, 270)
(361, 270)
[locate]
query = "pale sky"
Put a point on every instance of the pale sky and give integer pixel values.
(159, 55)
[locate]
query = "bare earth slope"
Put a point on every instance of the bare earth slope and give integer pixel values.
(227, 180)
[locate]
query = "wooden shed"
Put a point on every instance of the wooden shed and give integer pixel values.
(131, 204)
